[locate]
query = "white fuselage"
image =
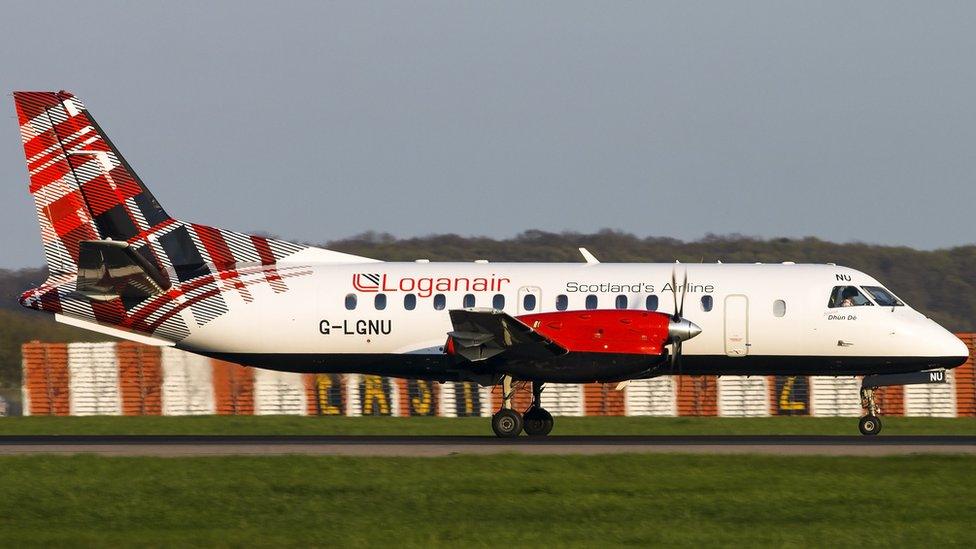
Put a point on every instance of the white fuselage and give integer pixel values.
(749, 313)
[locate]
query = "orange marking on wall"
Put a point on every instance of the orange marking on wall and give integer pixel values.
(697, 395)
(964, 378)
(891, 400)
(140, 379)
(403, 397)
(233, 388)
(45, 370)
(602, 399)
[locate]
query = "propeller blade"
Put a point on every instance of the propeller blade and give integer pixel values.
(676, 356)
(684, 291)
(674, 291)
(679, 329)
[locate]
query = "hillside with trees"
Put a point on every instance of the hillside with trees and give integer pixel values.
(938, 282)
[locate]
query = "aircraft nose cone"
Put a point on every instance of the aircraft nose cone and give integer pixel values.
(957, 349)
(682, 330)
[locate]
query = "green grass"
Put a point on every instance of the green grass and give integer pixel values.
(265, 425)
(507, 500)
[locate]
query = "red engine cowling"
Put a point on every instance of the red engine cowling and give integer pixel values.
(603, 331)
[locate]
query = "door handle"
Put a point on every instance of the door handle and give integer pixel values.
(842, 343)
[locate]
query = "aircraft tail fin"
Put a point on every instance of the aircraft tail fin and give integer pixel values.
(110, 246)
(84, 190)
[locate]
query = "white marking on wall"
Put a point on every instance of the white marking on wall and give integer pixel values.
(25, 395)
(743, 396)
(279, 393)
(446, 400)
(93, 373)
(835, 396)
(487, 410)
(394, 396)
(651, 397)
(931, 399)
(563, 399)
(354, 405)
(187, 384)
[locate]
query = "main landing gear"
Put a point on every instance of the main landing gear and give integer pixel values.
(538, 421)
(508, 423)
(870, 424)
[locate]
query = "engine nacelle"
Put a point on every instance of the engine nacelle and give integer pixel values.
(604, 331)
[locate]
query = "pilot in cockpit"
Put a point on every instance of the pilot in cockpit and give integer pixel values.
(847, 298)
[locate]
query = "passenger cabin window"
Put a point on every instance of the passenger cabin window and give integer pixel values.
(350, 301)
(528, 302)
(440, 302)
(779, 308)
(651, 303)
(591, 301)
(621, 302)
(379, 302)
(469, 300)
(883, 297)
(707, 302)
(498, 301)
(562, 302)
(410, 302)
(847, 296)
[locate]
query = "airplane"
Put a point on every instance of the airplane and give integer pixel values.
(120, 265)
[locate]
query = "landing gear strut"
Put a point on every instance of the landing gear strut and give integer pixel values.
(870, 424)
(538, 421)
(507, 423)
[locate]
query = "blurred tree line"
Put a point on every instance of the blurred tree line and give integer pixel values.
(937, 282)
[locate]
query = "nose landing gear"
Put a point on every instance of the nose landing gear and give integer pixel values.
(870, 424)
(508, 423)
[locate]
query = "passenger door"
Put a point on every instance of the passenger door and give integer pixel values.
(736, 325)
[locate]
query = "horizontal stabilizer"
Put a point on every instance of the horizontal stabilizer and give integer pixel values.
(109, 269)
(114, 331)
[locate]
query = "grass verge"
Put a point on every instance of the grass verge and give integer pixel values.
(268, 425)
(506, 500)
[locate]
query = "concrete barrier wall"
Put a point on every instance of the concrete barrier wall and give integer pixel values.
(132, 379)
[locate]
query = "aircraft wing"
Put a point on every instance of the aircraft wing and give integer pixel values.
(109, 269)
(480, 334)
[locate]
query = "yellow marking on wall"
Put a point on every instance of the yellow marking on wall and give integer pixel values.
(421, 404)
(785, 402)
(468, 399)
(373, 393)
(323, 391)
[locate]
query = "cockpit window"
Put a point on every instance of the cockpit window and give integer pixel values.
(847, 296)
(882, 296)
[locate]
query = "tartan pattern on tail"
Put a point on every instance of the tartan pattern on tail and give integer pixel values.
(84, 189)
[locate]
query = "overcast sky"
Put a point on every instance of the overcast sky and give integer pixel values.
(845, 120)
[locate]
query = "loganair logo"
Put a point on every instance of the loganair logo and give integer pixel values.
(426, 286)
(366, 282)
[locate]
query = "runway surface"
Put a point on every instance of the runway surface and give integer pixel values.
(430, 446)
